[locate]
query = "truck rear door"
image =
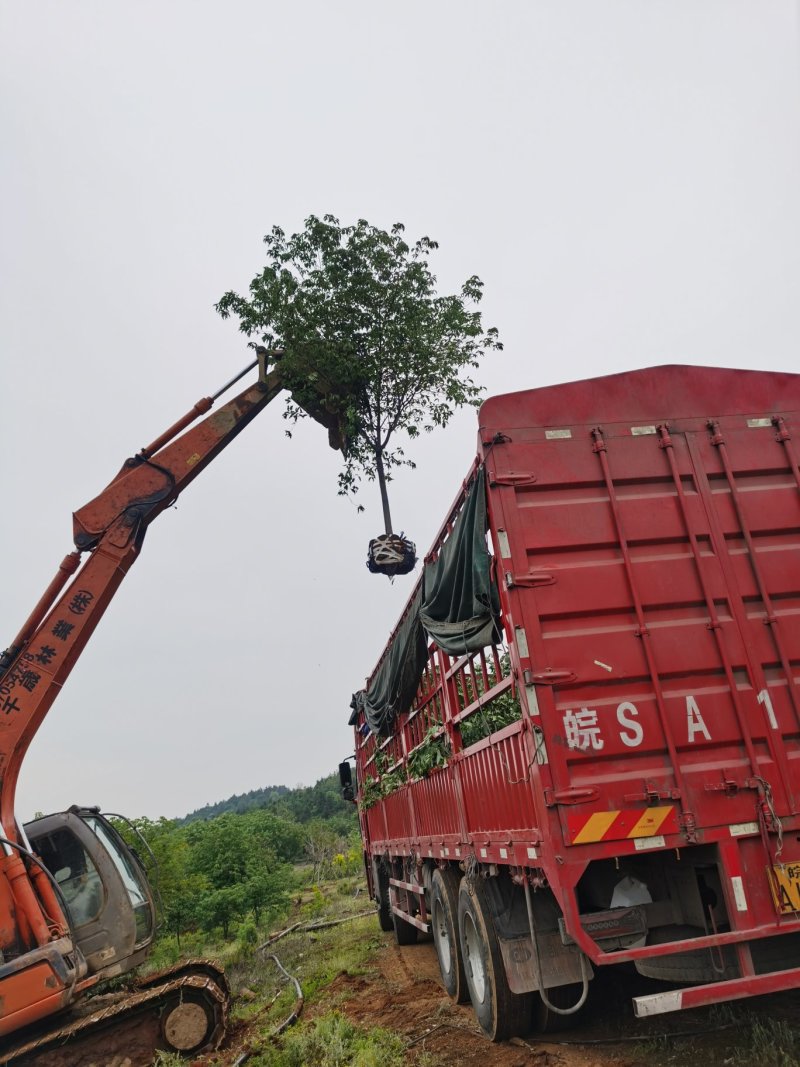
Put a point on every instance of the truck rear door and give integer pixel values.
(648, 528)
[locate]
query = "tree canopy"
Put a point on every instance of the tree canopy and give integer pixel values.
(354, 314)
(217, 872)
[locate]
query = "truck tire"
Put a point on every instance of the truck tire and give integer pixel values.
(694, 967)
(444, 925)
(380, 882)
(501, 1013)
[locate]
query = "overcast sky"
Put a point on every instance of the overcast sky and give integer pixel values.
(623, 175)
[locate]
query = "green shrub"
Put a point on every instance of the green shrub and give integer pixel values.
(432, 752)
(316, 905)
(490, 718)
(170, 949)
(247, 934)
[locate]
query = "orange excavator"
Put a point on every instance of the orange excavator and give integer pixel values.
(75, 905)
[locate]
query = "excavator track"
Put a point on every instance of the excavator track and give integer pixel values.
(182, 1010)
(194, 966)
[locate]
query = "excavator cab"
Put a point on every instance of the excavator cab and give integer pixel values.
(102, 885)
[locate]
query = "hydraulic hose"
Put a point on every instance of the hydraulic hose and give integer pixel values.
(584, 970)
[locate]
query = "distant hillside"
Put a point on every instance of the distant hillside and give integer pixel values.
(239, 803)
(320, 801)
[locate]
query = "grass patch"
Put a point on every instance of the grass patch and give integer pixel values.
(653, 1046)
(168, 1059)
(333, 1041)
(315, 959)
(771, 1043)
(733, 1036)
(262, 997)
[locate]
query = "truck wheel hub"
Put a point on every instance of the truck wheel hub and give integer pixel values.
(440, 932)
(474, 960)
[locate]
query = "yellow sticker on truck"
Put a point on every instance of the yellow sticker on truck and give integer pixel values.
(784, 881)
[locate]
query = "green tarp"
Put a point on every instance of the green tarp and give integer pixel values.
(397, 679)
(456, 606)
(460, 605)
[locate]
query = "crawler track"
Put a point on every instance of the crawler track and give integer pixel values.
(181, 1010)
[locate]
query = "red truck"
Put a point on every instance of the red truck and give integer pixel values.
(580, 745)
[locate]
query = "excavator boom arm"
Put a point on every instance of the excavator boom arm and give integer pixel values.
(111, 529)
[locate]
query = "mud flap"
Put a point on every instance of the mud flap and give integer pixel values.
(560, 965)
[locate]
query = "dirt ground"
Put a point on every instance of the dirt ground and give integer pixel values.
(406, 996)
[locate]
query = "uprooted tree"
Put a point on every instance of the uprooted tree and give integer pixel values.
(365, 345)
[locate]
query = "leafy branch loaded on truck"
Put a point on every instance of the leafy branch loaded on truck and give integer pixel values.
(580, 746)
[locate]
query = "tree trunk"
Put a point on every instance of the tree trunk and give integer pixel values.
(384, 493)
(387, 518)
